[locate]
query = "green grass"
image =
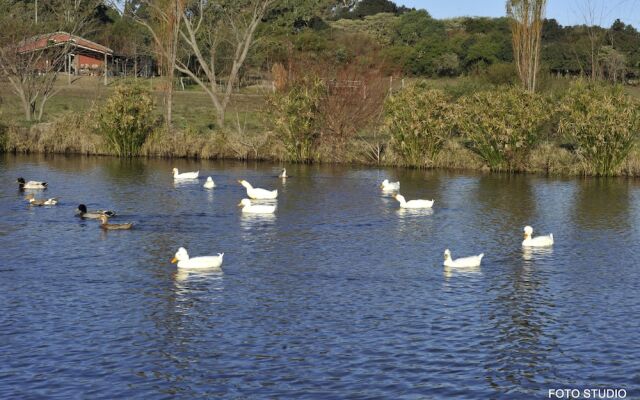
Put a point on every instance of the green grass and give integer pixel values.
(191, 108)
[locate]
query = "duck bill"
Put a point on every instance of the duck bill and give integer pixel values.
(240, 181)
(174, 260)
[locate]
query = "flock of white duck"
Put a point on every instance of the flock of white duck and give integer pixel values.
(464, 262)
(215, 262)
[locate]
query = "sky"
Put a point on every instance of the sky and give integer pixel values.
(567, 12)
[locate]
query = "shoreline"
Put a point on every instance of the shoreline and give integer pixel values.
(355, 164)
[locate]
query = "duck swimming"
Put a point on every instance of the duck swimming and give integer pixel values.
(257, 193)
(390, 186)
(209, 184)
(283, 174)
(104, 224)
(464, 262)
(207, 262)
(31, 184)
(82, 212)
(538, 241)
(35, 202)
(185, 175)
(413, 203)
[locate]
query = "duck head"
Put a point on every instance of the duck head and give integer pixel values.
(175, 171)
(181, 255)
(447, 255)
(30, 197)
(104, 219)
(528, 231)
(82, 209)
(21, 181)
(245, 183)
(244, 203)
(384, 183)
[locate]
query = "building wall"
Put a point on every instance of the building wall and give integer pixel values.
(89, 62)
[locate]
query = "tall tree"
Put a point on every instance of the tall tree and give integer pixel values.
(212, 28)
(527, 17)
(163, 19)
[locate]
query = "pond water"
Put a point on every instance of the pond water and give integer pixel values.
(339, 295)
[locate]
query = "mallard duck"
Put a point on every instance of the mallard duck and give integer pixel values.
(413, 203)
(208, 262)
(83, 213)
(538, 241)
(209, 184)
(389, 186)
(104, 224)
(185, 175)
(465, 262)
(248, 207)
(35, 202)
(258, 194)
(31, 184)
(283, 174)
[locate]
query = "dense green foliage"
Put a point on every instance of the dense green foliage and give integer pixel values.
(502, 126)
(419, 121)
(603, 122)
(126, 120)
(296, 118)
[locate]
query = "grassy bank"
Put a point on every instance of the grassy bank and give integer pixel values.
(70, 127)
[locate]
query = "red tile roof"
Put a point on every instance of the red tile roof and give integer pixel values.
(59, 38)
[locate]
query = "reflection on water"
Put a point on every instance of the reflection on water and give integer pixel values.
(603, 204)
(529, 253)
(450, 272)
(340, 294)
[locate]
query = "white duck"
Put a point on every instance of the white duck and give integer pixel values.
(31, 184)
(465, 262)
(259, 194)
(208, 262)
(283, 174)
(390, 186)
(185, 175)
(209, 184)
(248, 207)
(413, 203)
(538, 241)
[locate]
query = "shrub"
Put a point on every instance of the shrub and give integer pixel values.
(296, 117)
(503, 125)
(501, 74)
(419, 121)
(127, 119)
(602, 122)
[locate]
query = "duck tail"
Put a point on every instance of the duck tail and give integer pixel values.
(481, 255)
(221, 254)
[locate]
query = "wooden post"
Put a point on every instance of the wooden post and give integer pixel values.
(69, 65)
(105, 69)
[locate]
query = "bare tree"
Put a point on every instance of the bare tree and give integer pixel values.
(163, 22)
(31, 55)
(593, 18)
(526, 27)
(207, 28)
